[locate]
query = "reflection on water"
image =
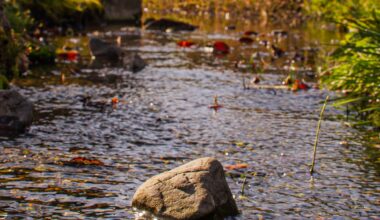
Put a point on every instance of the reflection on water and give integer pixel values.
(163, 121)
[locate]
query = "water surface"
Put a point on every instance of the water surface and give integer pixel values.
(163, 121)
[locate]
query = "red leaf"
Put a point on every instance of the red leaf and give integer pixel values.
(115, 100)
(215, 107)
(221, 47)
(185, 43)
(299, 85)
(71, 55)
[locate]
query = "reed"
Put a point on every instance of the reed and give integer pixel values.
(317, 135)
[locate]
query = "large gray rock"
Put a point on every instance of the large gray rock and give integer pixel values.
(196, 190)
(16, 112)
(123, 10)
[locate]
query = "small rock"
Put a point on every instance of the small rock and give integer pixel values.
(168, 25)
(16, 112)
(196, 190)
(105, 50)
(136, 63)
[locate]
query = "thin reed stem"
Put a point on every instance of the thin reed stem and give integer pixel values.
(317, 135)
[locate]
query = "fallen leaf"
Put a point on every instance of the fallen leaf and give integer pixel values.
(299, 85)
(85, 161)
(236, 166)
(216, 105)
(246, 40)
(185, 43)
(115, 100)
(221, 47)
(70, 55)
(250, 33)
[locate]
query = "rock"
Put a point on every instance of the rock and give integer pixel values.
(137, 63)
(168, 25)
(123, 11)
(16, 112)
(105, 52)
(196, 190)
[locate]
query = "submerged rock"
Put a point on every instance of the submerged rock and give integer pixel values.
(105, 52)
(16, 112)
(168, 25)
(136, 63)
(196, 190)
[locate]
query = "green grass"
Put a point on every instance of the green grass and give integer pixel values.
(356, 67)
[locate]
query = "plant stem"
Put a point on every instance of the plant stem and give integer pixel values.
(243, 186)
(317, 135)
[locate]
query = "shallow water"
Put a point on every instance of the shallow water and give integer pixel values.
(163, 121)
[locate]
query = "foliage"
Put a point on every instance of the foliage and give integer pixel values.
(339, 10)
(61, 11)
(194, 11)
(19, 20)
(20, 15)
(42, 54)
(11, 47)
(357, 67)
(12, 40)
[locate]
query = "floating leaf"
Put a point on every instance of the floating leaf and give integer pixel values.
(221, 47)
(185, 43)
(250, 33)
(246, 40)
(236, 166)
(85, 161)
(70, 55)
(216, 105)
(299, 85)
(115, 100)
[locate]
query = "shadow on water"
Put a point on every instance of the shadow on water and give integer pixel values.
(162, 120)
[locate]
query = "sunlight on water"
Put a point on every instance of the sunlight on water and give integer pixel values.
(163, 120)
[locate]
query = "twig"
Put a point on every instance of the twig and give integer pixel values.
(317, 135)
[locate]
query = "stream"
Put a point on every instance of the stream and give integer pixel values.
(163, 120)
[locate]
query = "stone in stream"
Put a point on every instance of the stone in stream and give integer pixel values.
(168, 25)
(101, 49)
(196, 190)
(104, 51)
(16, 112)
(123, 10)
